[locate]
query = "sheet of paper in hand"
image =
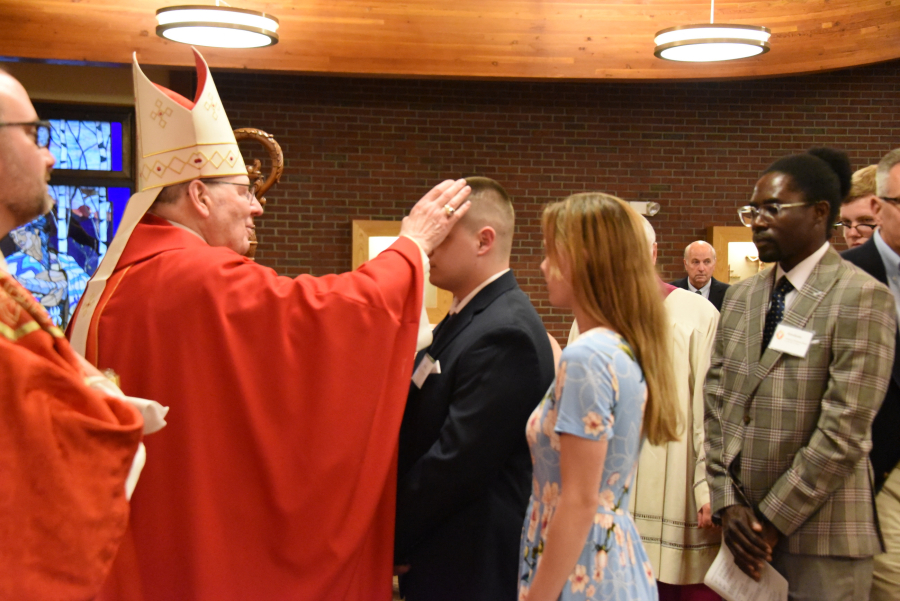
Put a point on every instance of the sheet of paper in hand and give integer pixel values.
(726, 579)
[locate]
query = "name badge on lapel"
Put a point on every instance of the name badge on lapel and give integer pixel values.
(426, 367)
(791, 340)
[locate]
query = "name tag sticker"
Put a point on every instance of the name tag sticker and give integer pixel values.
(426, 367)
(791, 340)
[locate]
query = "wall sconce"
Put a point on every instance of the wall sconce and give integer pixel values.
(645, 208)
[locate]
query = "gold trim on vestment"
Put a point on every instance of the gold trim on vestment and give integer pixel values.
(13, 335)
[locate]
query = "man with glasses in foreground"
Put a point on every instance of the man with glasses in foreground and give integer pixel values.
(802, 359)
(858, 220)
(277, 480)
(880, 257)
(65, 447)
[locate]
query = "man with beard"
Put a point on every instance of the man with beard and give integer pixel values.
(65, 448)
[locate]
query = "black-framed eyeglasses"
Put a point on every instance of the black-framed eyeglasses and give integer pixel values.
(40, 131)
(768, 211)
(894, 201)
(862, 228)
(251, 188)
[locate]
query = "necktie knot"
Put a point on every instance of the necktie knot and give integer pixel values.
(776, 309)
(783, 287)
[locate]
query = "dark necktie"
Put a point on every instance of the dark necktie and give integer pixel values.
(700, 292)
(443, 327)
(776, 310)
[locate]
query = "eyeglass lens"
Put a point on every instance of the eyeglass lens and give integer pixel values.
(42, 135)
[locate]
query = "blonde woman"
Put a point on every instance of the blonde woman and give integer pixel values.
(614, 387)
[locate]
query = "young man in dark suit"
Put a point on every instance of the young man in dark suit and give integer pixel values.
(699, 263)
(464, 468)
(879, 257)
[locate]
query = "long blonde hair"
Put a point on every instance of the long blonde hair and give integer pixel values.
(601, 238)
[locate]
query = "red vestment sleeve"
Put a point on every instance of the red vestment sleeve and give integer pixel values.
(65, 453)
(276, 475)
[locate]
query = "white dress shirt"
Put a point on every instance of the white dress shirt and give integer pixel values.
(704, 291)
(457, 305)
(799, 274)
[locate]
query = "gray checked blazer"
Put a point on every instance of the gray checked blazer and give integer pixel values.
(791, 437)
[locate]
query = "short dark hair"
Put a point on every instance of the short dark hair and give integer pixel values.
(819, 174)
(491, 205)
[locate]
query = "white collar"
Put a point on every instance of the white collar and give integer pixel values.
(705, 287)
(458, 305)
(186, 228)
(801, 272)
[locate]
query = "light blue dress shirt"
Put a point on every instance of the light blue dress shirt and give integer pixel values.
(891, 262)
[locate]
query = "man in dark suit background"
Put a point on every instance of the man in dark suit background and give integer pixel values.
(880, 257)
(464, 467)
(699, 263)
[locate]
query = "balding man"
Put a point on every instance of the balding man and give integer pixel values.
(465, 470)
(277, 479)
(65, 449)
(879, 256)
(699, 263)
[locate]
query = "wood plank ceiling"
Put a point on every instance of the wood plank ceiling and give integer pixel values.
(516, 39)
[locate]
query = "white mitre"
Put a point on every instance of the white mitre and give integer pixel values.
(177, 141)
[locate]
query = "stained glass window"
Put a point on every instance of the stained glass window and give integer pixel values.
(55, 255)
(86, 145)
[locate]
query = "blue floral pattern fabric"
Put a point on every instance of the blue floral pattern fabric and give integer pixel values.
(598, 394)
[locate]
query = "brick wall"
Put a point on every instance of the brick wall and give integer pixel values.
(368, 148)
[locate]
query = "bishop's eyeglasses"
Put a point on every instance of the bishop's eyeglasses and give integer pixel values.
(250, 194)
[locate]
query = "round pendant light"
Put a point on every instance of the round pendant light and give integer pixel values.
(711, 42)
(217, 26)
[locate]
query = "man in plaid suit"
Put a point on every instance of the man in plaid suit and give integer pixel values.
(801, 364)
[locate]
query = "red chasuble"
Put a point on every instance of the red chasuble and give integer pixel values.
(65, 452)
(276, 475)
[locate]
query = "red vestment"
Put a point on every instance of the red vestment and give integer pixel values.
(276, 475)
(65, 452)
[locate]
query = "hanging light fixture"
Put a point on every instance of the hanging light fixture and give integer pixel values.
(710, 42)
(217, 26)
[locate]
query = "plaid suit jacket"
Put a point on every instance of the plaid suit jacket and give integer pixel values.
(791, 436)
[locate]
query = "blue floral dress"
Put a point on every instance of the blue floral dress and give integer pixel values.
(599, 394)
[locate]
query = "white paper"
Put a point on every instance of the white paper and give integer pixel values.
(727, 580)
(427, 366)
(790, 340)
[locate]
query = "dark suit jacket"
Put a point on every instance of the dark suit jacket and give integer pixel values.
(716, 290)
(464, 468)
(886, 427)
